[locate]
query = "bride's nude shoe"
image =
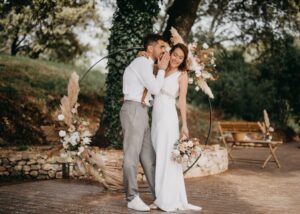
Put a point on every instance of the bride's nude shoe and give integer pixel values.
(194, 208)
(153, 206)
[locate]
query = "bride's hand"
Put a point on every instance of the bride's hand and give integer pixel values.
(143, 53)
(184, 132)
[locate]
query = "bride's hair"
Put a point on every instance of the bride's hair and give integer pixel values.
(184, 65)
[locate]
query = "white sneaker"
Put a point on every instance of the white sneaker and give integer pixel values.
(194, 208)
(138, 204)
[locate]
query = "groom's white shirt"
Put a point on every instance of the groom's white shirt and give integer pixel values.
(139, 75)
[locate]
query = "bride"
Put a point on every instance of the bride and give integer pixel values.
(169, 181)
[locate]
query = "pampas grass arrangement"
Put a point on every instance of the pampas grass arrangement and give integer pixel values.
(75, 138)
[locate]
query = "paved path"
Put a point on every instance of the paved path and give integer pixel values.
(244, 188)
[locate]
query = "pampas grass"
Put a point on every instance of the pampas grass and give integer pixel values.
(73, 89)
(262, 127)
(266, 119)
(68, 102)
(175, 37)
(204, 87)
(66, 110)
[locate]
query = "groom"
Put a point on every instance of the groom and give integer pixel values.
(138, 85)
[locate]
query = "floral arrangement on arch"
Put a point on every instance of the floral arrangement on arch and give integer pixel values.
(201, 64)
(74, 132)
(75, 139)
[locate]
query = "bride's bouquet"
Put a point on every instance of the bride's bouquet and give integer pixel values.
(186, 151)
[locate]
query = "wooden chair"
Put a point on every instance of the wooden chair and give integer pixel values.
(235, 134)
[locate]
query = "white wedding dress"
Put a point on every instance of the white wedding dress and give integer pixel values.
(169, 181)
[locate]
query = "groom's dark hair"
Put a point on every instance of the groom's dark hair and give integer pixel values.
(151, 38)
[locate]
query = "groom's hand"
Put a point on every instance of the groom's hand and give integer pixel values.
(143, 53)
(164, 61)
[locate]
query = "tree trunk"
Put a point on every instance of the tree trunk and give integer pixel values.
(182, 15)
(133, 19)
(14, 47)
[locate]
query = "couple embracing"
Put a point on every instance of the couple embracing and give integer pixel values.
(152, 146)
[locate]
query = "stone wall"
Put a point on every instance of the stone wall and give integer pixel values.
(213, 160)
(36, 163)
(29, 164)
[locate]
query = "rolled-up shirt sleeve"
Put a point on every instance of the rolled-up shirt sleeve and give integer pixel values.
(145, 73)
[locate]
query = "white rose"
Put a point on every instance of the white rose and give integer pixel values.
(62, 133)
(197, 88)
(185, 157)
(190, 144)
(176, 153)
(191, 80)
(74, 110)
(61, 117)
(205, 46)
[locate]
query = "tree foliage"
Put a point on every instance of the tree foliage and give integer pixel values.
(132, 20)
(33, 27)
(244, 89)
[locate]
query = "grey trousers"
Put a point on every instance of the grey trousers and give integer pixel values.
(137, 147)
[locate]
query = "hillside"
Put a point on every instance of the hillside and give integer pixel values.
(30, 93)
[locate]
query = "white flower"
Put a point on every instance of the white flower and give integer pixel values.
(197, 88)
(86, 140)
(62, 133)
(80, 150)
(205, 46)
(271, 129)
(185, 157)
(176, 153)
(60, 117)
(198, 73)
(74, 110)
(190, 144)
(212, 61)
(76, 135)
(74, 138)
(191, 80)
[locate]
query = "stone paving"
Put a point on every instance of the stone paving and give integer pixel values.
(244, 188)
